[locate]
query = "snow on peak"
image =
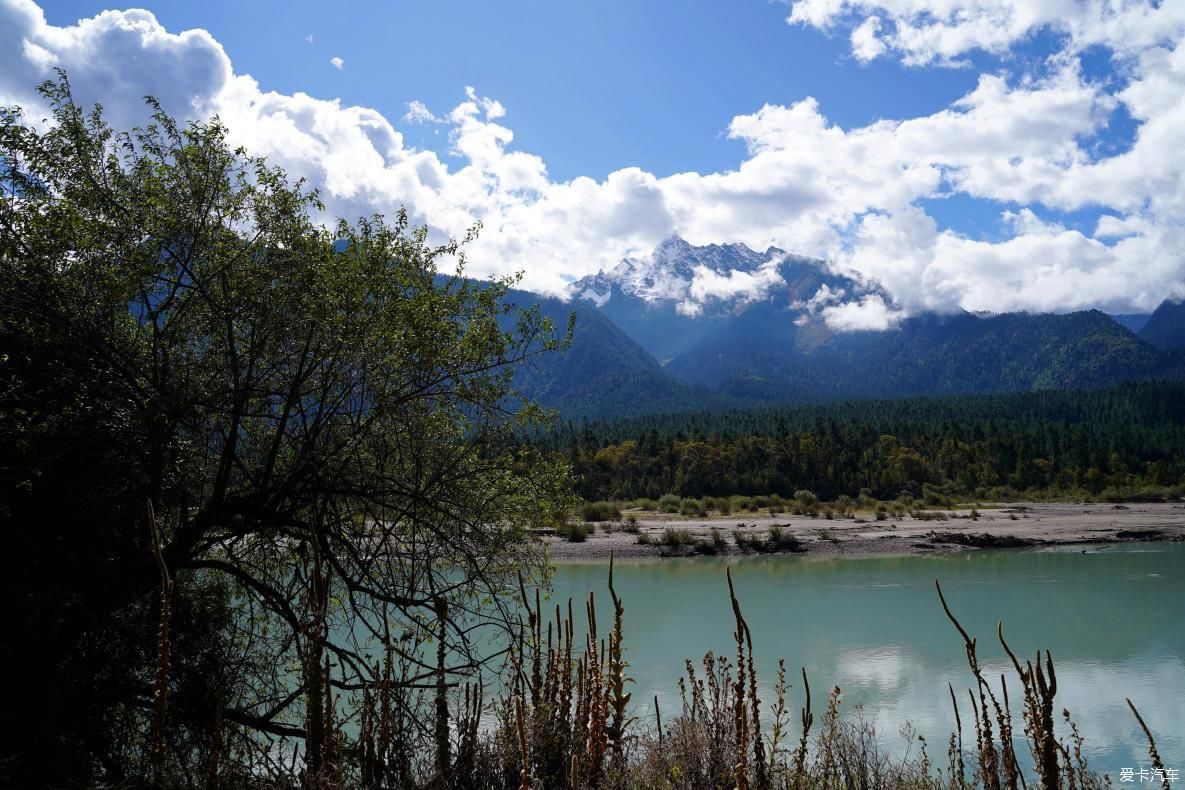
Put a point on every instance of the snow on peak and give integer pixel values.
(717, 279)
(677, 271)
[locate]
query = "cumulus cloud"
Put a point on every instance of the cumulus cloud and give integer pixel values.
(855, 196)
(708, 285)
(866, 43)
(418, 112)
(116, 57)
(309, 38)
(942, 31)
(337, 63)
(826, 295)
(870, 314)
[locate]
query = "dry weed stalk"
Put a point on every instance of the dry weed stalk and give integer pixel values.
(574, 709)
(1056, 764)
(315, 671)
(955, 752)
(989, 761)
(1040, 687)
(383, 741)
(808, 718)
(164, 658)
(740, 716)
(618, 699)
(441, 730)
(780, 719)
(524, 780)
(1157, 763)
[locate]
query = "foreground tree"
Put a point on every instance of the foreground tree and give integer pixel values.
(317, 426)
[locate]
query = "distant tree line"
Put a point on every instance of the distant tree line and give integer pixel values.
(1123, 442)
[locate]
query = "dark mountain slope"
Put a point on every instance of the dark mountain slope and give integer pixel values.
(1166, 327)
(765, 355)
(603, 372)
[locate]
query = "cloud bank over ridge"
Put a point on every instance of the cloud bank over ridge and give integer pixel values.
(1026, 144)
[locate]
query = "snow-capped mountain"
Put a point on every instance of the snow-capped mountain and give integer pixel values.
(669, 272)
(669, 300)
(724, 326)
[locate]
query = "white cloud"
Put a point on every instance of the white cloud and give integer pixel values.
(116, 57)
(942, 31)
(866, 43)
(337, 63)
(418, 112)
(869, 314)
(1026, 223)
(309, 38)
(853, 195)
(1110, 226)
(823, 297)
(708, 285)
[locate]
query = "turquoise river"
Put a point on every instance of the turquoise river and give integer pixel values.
(1114, 619)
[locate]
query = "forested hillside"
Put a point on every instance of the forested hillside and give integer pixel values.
(1128, 441)
(762, 356)
(765, 355)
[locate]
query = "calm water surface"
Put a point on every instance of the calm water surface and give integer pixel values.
(1114, 620)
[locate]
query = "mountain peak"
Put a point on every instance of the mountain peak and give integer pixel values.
(672, 245)
(670, 272)
(1166, 327)
(680, 290)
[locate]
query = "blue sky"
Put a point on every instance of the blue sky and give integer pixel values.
(965, 154)
(591, 87)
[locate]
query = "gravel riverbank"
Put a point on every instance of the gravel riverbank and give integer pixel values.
(1092, 525)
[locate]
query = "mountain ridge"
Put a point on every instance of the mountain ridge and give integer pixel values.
(723, 326)
(1166, 326)
(603, 372)
(761, 357)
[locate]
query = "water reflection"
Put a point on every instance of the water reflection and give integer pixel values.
(1113, 620)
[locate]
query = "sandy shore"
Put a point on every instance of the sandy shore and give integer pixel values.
(1018, 524)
